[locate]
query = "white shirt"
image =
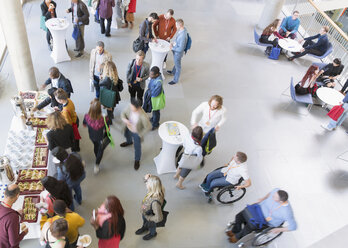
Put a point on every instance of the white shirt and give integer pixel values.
(54, 82)
(134, 118)
(235, 172)
(75, 12)
(190, 147)
(214, 117)
(98, 61)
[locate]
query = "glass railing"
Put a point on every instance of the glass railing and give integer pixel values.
(312, 19)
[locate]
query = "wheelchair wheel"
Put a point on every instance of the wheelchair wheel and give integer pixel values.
(265, 237)
(229, 194)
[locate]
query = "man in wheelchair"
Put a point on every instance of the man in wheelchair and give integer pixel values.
(270, 211)
(229, 174)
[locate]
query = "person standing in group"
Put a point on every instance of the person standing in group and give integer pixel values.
(10, 233)
(57, 80)
(80, 18)
(311, 47)
(48, 11)
(130, 8)
(96, 130)
(192, 147)
(111, 81)
(98, 56)
(105, 13)
(54, 234)
(178, 49)
(71, 170)
(146, 33)
(109, 223)
(165, 28)
(154, 201)
(156, 88)
(69, 115)
(290, 25)
(75, 221)
(137, 74)
(137, 124)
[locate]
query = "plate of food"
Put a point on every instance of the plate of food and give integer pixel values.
(38, 122)
(31, 175)
(84, 240)
(30, 187)
(30, 212)
(40, 138)
(40, 157)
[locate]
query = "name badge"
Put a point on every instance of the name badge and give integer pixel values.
(269, 218)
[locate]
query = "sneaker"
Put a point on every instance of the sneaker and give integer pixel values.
(172, 82)
(124, 144)
(203, 187)
(96, 169)
(149, 236)
(170, 72)
(154, 128)
(141, 230)
(78, 55)
(326, 128)
(136, 165)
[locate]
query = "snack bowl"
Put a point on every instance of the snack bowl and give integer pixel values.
(84, 240)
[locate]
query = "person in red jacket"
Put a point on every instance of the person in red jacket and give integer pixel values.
(129, 14)
(10, 235)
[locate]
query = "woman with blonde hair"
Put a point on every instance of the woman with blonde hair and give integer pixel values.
(151, 208)
(111, 81)
(61, 133)
(267, 38)
(96, 130)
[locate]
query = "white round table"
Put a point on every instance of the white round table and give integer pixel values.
(290, 45)
(159, 51)
(165, 161)
(58, 27)
(330, 96)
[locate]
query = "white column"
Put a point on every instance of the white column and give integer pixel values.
(13, 26)
(271, 11)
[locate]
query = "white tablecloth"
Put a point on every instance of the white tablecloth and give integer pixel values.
(165, 161)
(330, 96)
(290, 45)
(159, 51)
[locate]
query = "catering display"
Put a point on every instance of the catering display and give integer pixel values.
(40, 138)
(38, 122)
(40, 157)
(30, 212)
(27, 175)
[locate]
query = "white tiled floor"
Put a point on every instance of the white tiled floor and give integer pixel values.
(285, 149)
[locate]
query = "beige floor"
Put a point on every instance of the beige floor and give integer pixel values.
(285, 149)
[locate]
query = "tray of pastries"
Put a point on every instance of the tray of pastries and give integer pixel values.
(28, 95)
(40, 138)
(40, 157)
(30, 187)
(38, 122)
(31, 175)
(30, 212)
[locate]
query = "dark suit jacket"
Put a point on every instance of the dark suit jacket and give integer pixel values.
(45, 12)
(63, 83)
(82, 12)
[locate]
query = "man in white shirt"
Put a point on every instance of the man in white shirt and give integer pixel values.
(98, 56)
(230, 174)
(57, 80)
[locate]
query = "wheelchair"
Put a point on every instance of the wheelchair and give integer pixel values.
(257, 238)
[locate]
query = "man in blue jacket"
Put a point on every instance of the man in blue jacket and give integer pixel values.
(155, 88)
(311, 47)
(178, 48)
(290, 25)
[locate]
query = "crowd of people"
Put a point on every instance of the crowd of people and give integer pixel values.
(59, 223)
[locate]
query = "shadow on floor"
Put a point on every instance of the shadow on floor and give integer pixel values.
(338, 179)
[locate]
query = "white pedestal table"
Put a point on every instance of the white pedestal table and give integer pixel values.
(330, 96)
(159, 51)
(290, 45)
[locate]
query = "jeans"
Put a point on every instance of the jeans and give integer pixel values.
(99, 147)
(108, 25)
(155, 118)
(334, 124)
(216, 179)
(149, 225)
(291, 36)
(96, 80)
(75, 186)
(177, 66)
(134, 138)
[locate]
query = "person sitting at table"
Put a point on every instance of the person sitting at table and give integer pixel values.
(308, 82)
(192, 147)
(330, 72)
(57, 80)
(266, 36)
(311, 47)
(334, 124)
(290, 25)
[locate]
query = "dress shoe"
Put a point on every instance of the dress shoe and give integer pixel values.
(141, 230)
(124, 144)
(149, 236)
(171, 82)
(233, 239)
(230, 234)
(136, 165)
(78, 55)
(107, 35)
(169, 72)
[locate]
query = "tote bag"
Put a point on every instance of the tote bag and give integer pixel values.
(158, 102)
(274, 53)
(112, 143)
(336, 112)
(189, 161)
(107, 97)
(76, 32)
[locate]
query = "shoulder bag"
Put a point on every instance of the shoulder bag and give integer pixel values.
(162, 223)
(107, 97)
(336, 112)
(138, 45)
(112, 143)
(158, 102)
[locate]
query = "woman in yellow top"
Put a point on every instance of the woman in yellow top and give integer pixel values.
(69, 115)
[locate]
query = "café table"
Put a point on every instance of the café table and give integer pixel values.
(290, 45)
(329, 96)
(159, 51)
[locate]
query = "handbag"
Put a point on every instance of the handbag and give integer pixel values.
(112, 143)
(43, 23)
(190, 161)
(138, 45)
(274, 53)
(162, 223)
(158, 102)
(107, 97)
(336, 112)
(75, 128)
(76, 32)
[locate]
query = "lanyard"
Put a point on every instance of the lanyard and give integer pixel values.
(5, 204)
(136, 71)
(211, 116)
(231, 167)
(166, 24)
